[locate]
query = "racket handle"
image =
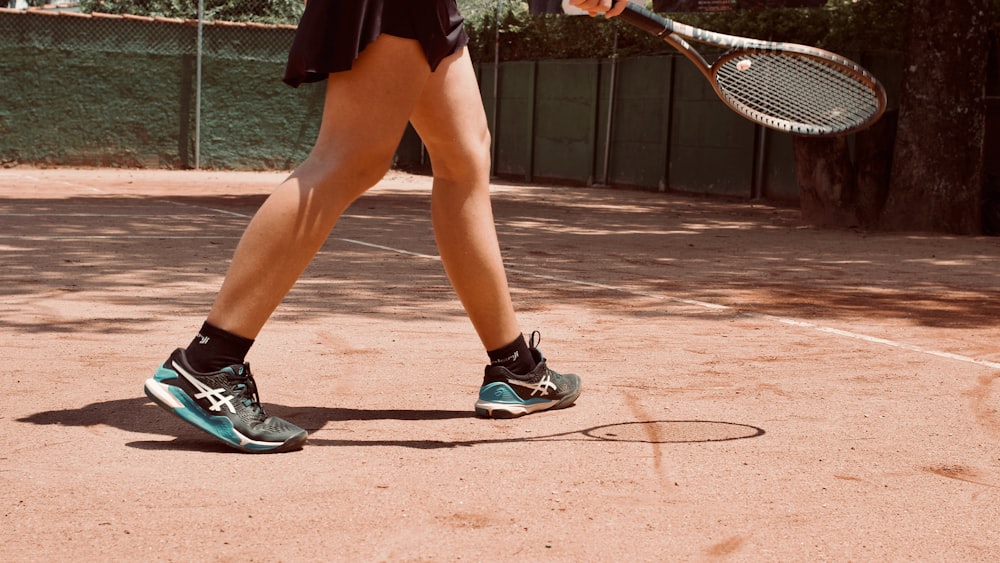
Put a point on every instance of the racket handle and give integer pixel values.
(646, 20)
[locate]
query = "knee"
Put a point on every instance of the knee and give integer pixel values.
(351, 170)
(465, 160)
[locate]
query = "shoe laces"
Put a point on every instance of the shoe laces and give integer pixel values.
(245, 391)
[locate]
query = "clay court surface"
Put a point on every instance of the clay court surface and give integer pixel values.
(754, 390)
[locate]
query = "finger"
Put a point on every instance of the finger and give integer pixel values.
(618, 8)
(593, 7)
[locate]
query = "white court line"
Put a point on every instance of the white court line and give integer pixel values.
(223, 211)
(703, 304)
(718, 307)
(876, 340)
(99, 190)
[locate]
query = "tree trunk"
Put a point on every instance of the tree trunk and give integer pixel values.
(825, 177)
(836, 193)
(937, 170)
(874, 168)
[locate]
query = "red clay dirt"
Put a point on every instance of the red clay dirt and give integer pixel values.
(754, 390)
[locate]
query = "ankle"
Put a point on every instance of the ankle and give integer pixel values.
(214, 348)
(516, 357)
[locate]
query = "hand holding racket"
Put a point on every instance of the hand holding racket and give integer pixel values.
(784, 86)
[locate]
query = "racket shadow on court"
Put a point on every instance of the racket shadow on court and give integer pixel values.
(139, 415)
(647, 432)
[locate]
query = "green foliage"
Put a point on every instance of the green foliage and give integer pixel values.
(261, 11)
(270, 11)
(847, 26)
(524, 36)
(842, 25)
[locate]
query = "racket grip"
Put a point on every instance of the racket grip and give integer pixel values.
(646, 20)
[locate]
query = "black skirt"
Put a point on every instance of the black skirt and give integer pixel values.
(331, 33)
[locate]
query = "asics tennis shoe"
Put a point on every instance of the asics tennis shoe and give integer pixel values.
(223, 404)
(507, 395)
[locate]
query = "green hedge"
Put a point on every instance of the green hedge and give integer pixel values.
(121, 92)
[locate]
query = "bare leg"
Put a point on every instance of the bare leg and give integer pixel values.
(452, 123)
(450, 120)
(365, 114)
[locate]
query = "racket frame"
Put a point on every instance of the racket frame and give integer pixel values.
(678, 35)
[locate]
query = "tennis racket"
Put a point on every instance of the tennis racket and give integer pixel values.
(784, 86)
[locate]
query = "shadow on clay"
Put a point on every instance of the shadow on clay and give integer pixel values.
(139, 415)
(649, 432)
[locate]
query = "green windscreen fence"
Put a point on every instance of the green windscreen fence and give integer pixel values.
(565, 136)
(102, 90)
(711, 148)
(514, 150)
(640, 128)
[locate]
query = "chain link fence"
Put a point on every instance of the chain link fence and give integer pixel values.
(155, 83)
(93, 83)
(180, 83)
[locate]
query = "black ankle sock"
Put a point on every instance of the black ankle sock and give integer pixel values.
(515, 356)
(214, 349)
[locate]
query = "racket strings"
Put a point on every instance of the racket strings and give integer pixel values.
(797, 93)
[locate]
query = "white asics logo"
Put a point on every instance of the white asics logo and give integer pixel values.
(217, 397)
(541, 388)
